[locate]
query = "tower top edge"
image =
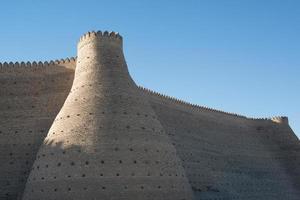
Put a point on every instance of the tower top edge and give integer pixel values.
(101, 34)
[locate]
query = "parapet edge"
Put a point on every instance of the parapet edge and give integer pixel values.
(280, 119)
(100, 34)
(196, 107)
(28, 65)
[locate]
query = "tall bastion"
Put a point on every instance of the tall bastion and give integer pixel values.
(81, 129)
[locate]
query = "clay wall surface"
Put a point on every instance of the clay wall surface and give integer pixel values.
(31, 95)
(92, 132)
(231, 157)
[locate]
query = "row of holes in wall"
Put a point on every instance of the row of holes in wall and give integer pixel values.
(255, 150)
(22, 131)
(252, 130)
(141, 187)
(244, 165)
(29, 94)
(265, 183)
(132, 174)
(107, 93)
(272, 174)
(114, 99)
(197, 159)
(60, 142)
(92, 84)
(38, 106)
(227, 174)
(115, 149)
(232, 197)
(257, 146)
(126, 127)
(33, 105)
(103, 112)
(30, 116)
(18, 154)
(258, 141)
(255, 169)
(73, 163)
(190, 154)
(65, 77)
(80, 71)
(104, 92)
(246, 196)
(42, 91)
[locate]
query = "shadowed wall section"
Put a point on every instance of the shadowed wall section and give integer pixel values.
(226, 156)
(30, 97)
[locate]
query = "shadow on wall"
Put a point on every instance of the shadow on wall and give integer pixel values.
(30, 99)
(267, 171)
(59, 171)
(287, 155)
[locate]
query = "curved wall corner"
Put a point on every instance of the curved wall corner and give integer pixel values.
(106, 142)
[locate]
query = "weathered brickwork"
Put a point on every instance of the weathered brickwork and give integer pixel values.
(30, 98)
(80, 128)
(230, 157)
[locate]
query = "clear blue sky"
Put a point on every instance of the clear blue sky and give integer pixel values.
(240, 56)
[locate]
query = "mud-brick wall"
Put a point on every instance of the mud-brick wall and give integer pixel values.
(30, 97)
(231, 157)
(106, 142)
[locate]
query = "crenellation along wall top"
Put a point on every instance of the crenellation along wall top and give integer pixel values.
(100, 34)
(27, 65)
(72, 61)
(199, 108)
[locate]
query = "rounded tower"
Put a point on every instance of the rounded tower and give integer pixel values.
(106, 142)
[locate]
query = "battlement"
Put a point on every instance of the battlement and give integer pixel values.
(25, 65)
(199, 108)
(280, 119)
(112, 37)
(7, 66)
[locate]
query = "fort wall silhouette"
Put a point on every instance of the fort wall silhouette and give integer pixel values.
(80, 128)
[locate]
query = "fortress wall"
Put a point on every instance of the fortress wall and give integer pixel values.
(219, 150)
(110, 128)
(228, 156)
(31, 96)
(224, 155)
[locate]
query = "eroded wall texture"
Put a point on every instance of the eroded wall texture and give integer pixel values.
(30, 98)
(81, 129)
(231, 157)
